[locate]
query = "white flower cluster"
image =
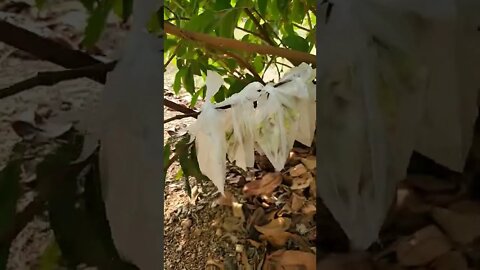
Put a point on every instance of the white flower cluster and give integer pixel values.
(285, 112)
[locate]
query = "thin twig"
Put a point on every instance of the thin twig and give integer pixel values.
(267, 66)
(269, 27)
(244, 64)
(250, 32)
(50, 78)
(51, 51)
(181, 116)
(176, 19)
(301, 27)
(262, 30)
(309, 19)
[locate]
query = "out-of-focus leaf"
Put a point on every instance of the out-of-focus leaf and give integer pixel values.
(88, 4)
(222, 4)
(50, 258)
(40, 3)
(227, 24)
(123, 8)
(298, 11)
(262, 6)
(220, 95)
(203, 22)
(258, 63)
(75, 225)
(9, 194)
(96, 22)
(177, 84)
(296, 42)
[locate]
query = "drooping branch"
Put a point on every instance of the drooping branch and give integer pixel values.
(49, 78)
(43, 48)
(293, 56)
(51, 51)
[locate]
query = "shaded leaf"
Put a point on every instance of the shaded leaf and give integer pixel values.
(50, 258)
(9, 194)
(296, 42)
(96, 22)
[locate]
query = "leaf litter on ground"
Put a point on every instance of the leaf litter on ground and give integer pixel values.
(263, 209)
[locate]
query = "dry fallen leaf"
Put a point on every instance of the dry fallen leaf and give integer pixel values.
(275, 232)
(264, 186)
(246, 265)
(423, 247)
(310, 163)
(277, 240)
(297, 202)
(238, 211)
(231, 224)
(290, 259)
(29, 125)
(214, 265)
(450, 261)
(313, 188)
(309, 209)
(297, 170)
(227, 199)
(461, 228)
(302, 182)
(276, 225)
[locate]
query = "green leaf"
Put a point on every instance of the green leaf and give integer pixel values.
(96, 23)
(258, 63)
(298, 11)
(188, 81)
(80, 226)
(244, 4)
(169, 43)
(88, 4)
(296, 42)
(262, 6)
(123, 9)
(177, 84)
(227, 24)
(181, 51)
(196, 96)
(50, 258)
(179, 174)
(283, 7)
(220, 95)
(222, 4)
(203, 22)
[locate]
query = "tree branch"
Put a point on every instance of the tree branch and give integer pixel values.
(49, 78)
(51, 51)
(181, 116)
(293, 56)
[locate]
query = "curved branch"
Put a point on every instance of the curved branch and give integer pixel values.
(296, 57)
